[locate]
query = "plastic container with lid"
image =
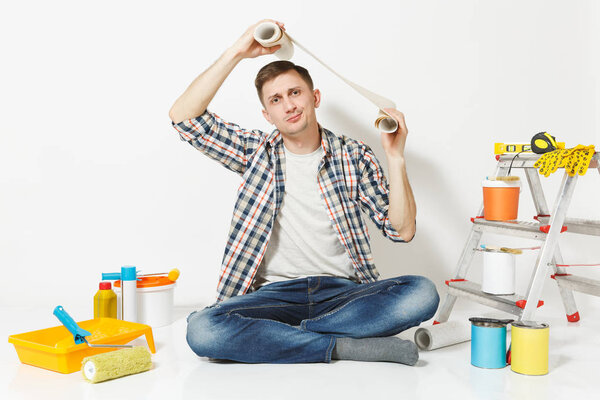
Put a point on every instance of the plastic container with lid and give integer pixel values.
(154, 300)
(501, 199)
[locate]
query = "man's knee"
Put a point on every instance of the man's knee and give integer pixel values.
(202, 335)
(417, 296)
(427, 295)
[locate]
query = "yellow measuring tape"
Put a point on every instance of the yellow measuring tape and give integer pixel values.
(575, 160)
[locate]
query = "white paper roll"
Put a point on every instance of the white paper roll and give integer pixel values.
(269, 34)
(442, 335)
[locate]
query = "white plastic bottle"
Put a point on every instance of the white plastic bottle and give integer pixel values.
(128, 294)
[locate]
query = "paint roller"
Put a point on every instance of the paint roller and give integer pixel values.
(113, 364)
(269, 34)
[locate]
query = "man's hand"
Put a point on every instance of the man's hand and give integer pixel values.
(197, 96)
(393, 143)
(247, 47)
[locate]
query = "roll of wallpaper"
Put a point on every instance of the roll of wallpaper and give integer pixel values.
(442, 335)
(269, 34)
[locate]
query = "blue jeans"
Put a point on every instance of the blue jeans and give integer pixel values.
(297, 321)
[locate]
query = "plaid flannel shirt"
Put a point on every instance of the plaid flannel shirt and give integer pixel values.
(350, 178)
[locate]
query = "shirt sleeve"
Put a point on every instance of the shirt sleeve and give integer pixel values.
(222, 141)
(373, 193)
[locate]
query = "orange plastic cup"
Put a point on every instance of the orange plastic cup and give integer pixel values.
(501, 200)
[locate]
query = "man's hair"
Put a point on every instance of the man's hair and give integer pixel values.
(276, 68)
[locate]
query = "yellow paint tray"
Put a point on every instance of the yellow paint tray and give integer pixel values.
(55, 348)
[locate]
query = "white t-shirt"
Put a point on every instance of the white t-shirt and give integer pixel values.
(303, 241)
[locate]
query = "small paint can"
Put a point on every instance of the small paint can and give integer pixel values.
(488, 342)
(498, 272)
(529, 347)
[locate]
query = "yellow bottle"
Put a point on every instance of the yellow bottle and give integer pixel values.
(105, 302)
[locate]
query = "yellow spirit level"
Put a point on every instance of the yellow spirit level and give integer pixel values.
(503, 148)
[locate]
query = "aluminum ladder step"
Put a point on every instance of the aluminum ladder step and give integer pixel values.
(579, 284)
(527, 160)
(530, 230)
(512, 304)
(577, 225)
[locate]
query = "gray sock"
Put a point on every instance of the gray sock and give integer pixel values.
(389, 348)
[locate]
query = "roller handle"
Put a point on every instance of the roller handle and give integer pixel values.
(79, 334)
(111, 276)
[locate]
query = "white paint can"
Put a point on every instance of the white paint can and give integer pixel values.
(155, 297)
(498, 272)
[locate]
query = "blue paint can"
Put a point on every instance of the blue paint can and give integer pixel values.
(488, 342)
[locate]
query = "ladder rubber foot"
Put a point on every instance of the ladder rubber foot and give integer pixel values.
(573, 317)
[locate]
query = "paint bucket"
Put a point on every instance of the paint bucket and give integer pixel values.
(501, 199)
(488, 342)
(529, 347)
(498, 272)
(154, 300)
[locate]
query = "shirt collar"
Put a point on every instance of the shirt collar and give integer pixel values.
(276, 138)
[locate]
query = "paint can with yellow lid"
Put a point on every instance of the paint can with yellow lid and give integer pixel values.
(529, 347)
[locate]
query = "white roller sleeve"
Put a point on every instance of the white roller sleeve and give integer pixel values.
(269, 34)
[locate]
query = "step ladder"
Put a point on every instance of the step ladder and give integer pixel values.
(546, 228)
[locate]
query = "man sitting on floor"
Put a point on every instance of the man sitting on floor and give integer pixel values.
(298, 283)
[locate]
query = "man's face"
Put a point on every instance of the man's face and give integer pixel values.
(290, 104)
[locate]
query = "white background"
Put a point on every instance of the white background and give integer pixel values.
(93, 176)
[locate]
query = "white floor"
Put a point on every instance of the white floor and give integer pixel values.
(447, 373)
